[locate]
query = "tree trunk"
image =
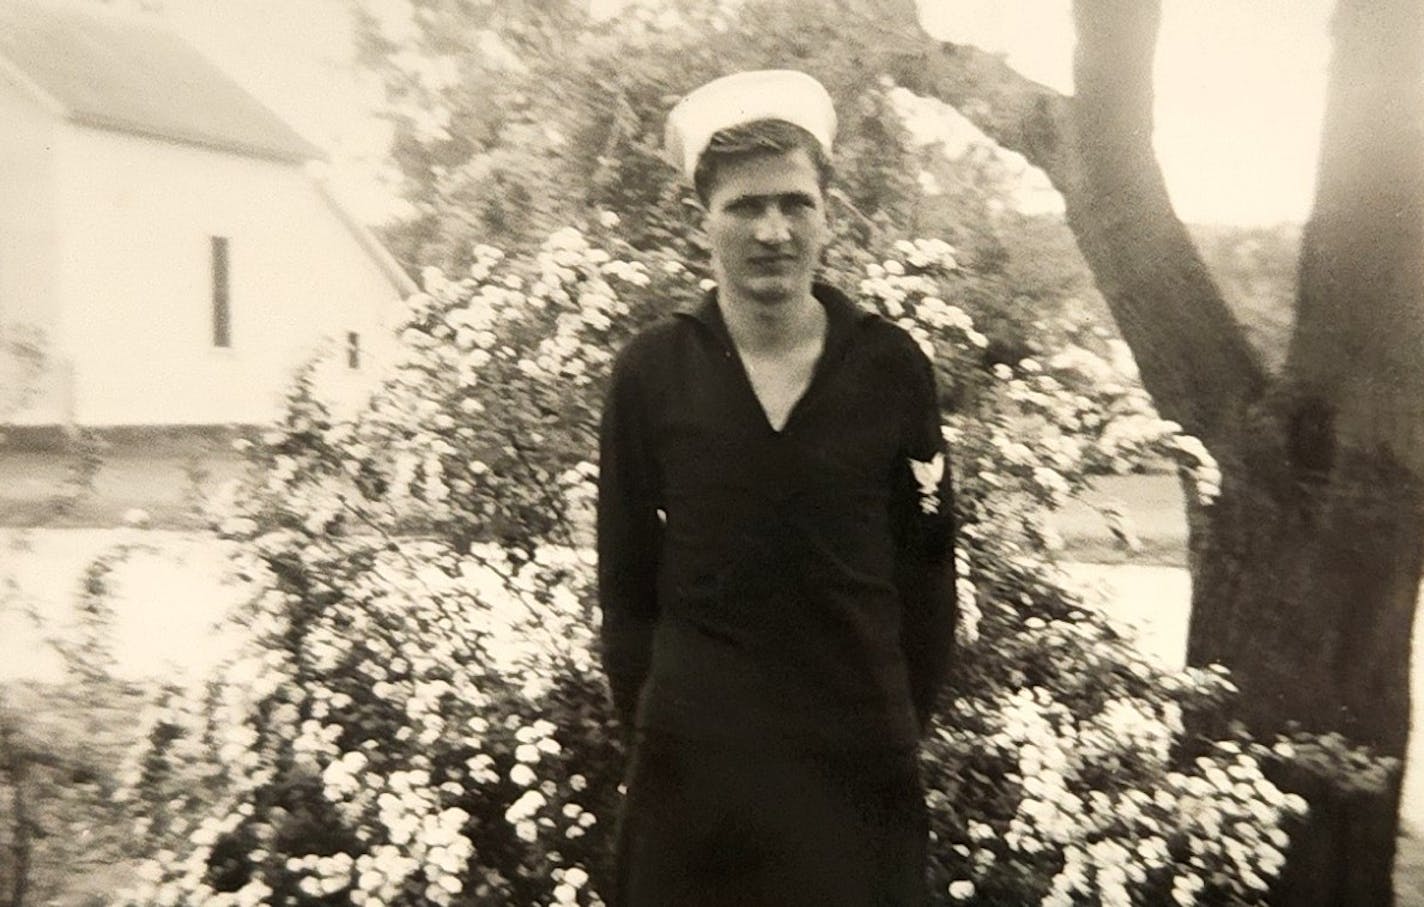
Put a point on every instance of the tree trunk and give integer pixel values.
(1306, 569)
(1307, 572)
(1306, 588)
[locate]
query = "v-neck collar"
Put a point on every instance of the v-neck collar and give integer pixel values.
(842, 316)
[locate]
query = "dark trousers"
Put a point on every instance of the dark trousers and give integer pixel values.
(733, 825)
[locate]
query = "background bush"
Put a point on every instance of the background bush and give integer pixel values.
(418, 717)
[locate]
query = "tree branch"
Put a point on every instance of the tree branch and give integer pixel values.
(1016, 112)
(1096, 148)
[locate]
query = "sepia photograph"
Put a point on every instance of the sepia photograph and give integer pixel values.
(711, 453)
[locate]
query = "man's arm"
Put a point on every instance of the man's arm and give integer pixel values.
(922, 511)
(629, 541)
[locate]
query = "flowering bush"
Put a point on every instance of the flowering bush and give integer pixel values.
(417, 717)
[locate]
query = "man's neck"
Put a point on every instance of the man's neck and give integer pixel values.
(758, 327)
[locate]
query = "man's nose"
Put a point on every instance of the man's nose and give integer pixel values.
(773, 227)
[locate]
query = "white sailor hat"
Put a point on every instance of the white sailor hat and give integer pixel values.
(765, 94)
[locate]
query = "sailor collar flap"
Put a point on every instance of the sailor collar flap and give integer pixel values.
(841, 316)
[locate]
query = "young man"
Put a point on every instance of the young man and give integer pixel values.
(774, 536)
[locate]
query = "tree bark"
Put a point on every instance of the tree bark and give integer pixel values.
(1306, 569)
(1305, 586)
(1096, 148)
(1307, 573)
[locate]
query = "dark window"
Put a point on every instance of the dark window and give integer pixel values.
(353, 349)
(222, 303)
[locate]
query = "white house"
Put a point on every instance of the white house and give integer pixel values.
(161, 233)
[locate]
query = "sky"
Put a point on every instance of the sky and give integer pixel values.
(298, 57)
(1239, 90)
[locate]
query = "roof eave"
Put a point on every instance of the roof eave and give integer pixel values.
(294, 155)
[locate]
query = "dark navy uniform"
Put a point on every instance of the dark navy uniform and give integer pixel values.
(778, 613)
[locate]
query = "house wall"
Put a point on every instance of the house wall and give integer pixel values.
(32, 370)
(136, 217)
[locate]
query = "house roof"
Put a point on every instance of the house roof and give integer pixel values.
(119, 72)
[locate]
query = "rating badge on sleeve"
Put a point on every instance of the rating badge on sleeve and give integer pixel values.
(928, 474)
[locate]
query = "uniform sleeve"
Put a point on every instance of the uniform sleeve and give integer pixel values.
(922, 513)
(629, 541)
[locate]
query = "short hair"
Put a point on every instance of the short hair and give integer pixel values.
(769, 136)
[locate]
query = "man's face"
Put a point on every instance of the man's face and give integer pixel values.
(766, 221)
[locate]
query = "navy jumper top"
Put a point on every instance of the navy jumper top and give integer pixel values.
(764, 585)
